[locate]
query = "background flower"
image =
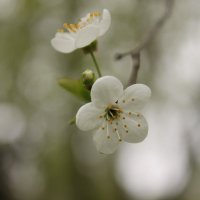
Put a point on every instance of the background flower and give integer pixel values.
(79, 35)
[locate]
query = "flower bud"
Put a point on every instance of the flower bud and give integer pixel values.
(88, 78)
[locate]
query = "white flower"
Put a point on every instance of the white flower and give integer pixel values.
(113, 113)
(83, 33)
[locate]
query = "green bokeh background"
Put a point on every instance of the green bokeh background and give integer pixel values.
(52, 160)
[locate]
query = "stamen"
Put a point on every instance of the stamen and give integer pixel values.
(124, 126)
(95, 14)
(132, 113)
(107, 131)
(132, 99)
(120, 139)
(72, 27)
(61, 30)
(138, 125)
(89, 18)
(77, 26)
(65, 25)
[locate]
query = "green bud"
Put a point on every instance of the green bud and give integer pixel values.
(88, 78)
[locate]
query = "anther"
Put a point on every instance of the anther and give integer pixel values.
(138, 125)
(123, 101)
(72, 27)
(116, 123)
(65, 25)
(138, 115)
(102, 128)
(125, 126)
(120, 140)
(123, 118)
(129, 113)
(132, 99)
(108, 136)
(126, 131)
(61, 30)
(77, 26)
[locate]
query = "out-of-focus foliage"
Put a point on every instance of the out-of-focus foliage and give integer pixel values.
(75, 87)
(42, 157)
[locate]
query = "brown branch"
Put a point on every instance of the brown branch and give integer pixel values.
(135, 53)
(136, 65)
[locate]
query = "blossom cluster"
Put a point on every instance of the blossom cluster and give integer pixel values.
(113, 113)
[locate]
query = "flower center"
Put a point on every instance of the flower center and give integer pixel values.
(73, 28)
(112, 112)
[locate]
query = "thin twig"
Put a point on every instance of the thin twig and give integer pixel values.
(136, 65)
(135, 53)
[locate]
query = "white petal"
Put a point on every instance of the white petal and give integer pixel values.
(134, 97)
(63, 43)
(87, 117)
(86, 35)
(134, 128)
(105, 22)
(106, 90)
(103, 143)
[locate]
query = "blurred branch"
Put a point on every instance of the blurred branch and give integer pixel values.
(135, 52)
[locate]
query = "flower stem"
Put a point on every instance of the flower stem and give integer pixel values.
(95, 63)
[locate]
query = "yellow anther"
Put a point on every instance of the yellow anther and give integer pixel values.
(60, 30)
(97, 13)
(72, 27)
(65, 25)
(77, 26)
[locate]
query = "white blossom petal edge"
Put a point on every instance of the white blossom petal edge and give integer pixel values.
(114, 114)
(74, 36)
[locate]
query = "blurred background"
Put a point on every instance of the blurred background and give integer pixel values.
(42, 157)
